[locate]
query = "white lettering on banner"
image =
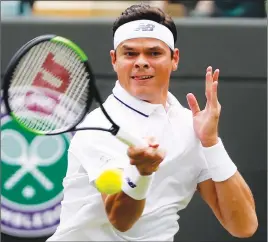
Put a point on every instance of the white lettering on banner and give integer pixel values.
(36, 220)
(28, 209)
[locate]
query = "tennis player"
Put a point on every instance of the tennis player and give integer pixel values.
(184, 152)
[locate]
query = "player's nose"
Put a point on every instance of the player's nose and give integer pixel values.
(141, 62)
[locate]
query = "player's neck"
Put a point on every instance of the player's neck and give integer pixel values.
(160, 100)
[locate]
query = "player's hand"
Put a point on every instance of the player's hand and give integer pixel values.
(206, 120)
(146, 159)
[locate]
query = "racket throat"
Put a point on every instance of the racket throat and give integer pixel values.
(114, 129)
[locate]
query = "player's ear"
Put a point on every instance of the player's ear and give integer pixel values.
(113, 59)
(175, 60)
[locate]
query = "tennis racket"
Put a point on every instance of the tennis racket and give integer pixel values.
(49, 87)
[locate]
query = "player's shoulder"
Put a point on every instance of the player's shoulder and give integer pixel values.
(93, 119)
(184, 123)
(97, 117)
(188, 125)
(183, 113)
(186, 119)
(187, 115)
(95, 138)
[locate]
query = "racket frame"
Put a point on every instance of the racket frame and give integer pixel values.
(93, 91)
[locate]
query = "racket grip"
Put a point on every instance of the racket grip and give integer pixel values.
(130, 139)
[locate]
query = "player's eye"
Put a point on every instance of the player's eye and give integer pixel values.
(155, 53)
(130, 53)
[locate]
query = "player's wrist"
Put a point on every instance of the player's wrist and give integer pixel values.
(135, 185)
(209, 142)
(219, 163)
(144, 172)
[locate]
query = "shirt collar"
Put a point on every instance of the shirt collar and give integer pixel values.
(137, 105)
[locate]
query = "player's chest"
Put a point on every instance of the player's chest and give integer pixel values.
(173, 137)
(177, 141)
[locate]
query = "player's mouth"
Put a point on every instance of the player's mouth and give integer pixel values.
(141, 78)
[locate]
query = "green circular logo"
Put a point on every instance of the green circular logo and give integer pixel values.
(33, 168)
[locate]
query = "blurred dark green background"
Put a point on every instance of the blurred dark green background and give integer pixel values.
(238, 47)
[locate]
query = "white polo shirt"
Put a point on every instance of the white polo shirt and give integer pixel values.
(83, 216)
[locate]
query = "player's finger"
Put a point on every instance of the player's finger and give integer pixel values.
(149, 156)
(209, 69)
(161, 153)
(214, 97)
(155, 166)
(193, 104)
(216, 75)
(157, 163)
(152, 142)
(147, 162)
(155, 146)
(135, 152)
(209, 81)
(141, 154)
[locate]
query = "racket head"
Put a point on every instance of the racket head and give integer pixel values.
(48, 86)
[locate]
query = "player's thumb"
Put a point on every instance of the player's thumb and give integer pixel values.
(193, 104)
(152, 142)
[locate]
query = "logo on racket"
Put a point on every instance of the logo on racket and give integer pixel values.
(53, 75)
(33, 168)
(52, 80)
(48, 100)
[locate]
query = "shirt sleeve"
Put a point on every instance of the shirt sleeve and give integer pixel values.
(204, 175)
(196, 154)
(97, 151)
(204, 171)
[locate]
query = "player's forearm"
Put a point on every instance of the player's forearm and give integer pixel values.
(236, 205)
(126, 207)
(233, 198)
(123, 211)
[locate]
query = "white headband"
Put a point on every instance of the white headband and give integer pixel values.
(143, 29)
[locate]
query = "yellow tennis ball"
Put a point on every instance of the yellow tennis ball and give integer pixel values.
(110, 181)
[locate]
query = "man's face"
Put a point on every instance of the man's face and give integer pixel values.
(143, 67)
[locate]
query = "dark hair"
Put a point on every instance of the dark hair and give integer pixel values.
(144, 11)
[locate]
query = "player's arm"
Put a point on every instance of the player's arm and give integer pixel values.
(232, 203)
(227, 193)
(126, 207)
(122, 210)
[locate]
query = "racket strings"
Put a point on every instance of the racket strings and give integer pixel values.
(72, 103)
(80, 91)
(77, 89)
(23, 78)
(61, 57)
(56, 119)
(69, 60)
(34, 65)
